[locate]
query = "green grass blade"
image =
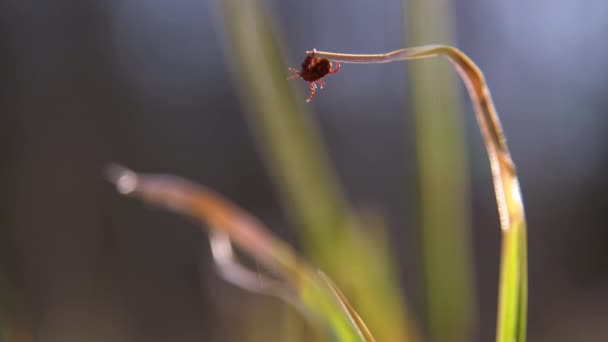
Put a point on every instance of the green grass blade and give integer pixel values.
(287, 137)
(443, 181)
(513, 287)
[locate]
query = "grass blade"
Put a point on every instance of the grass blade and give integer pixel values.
(443, 179)
(513, 292)
(290, 277)
(331, 233)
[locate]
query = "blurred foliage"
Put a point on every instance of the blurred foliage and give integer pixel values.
(359, 259)
(287, 276)
(334, 237)
(444, 223)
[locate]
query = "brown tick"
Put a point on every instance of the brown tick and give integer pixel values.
(313, 71)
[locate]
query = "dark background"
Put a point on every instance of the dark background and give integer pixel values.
(145, 83)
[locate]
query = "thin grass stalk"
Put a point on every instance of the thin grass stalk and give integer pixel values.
(513, 291)
(285, 274)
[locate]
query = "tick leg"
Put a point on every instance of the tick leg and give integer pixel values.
(313, 88)
(321, 83)
(335, 70)
(294, 74)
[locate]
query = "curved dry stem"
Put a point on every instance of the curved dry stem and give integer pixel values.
(233, 271)
(296, 281)
(513, 283)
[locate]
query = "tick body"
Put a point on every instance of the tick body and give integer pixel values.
(313, 71)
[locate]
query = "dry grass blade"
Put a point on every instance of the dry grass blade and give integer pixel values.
(512, 306)
(355, 316)
(291, 277)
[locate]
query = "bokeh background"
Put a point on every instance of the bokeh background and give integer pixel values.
(149, 84)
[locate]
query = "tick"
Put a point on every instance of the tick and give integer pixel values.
(313, 71)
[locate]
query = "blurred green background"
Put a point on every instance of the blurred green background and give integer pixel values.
(382, 181)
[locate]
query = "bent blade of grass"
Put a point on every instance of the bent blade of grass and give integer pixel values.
(513, 292)
(292, 279)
